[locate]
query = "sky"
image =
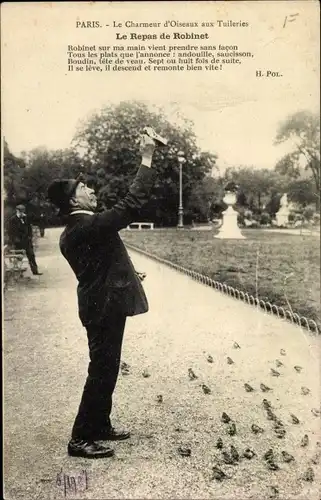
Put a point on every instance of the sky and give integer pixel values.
(235, 114)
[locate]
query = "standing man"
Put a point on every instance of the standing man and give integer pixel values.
(20, 236)
(108, 291)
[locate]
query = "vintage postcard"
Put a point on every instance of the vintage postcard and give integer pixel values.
(161, 250)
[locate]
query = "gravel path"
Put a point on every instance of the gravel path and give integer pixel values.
(45, 363)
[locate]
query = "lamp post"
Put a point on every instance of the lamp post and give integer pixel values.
(181, 160)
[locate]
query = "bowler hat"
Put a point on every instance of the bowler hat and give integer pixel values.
(60, 191)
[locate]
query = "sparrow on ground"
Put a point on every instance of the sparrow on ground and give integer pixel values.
(256, 429)
(210, 358)
(275, 373)
(191, 374)
(274, 492)
(146, 374)
(316, 458)
(184, 451)
(282, 352)
(295, 419)
(218, 474)
(278, 363)
(236, 345)
(280, 432)
(229, 361)
(305, 391)
(249, 454)
(159, 398)
(124, 368)
(269, 455)
(227, 458)
(316, 412)
(287, 457)
(304, 441)
(265, 388)
(271, 415)
(225, 418)
(298, 368)
(219, 444)
(235, 454)
(272, 465)
(266, 404)
(206, 389)
(231, 429)
(248, 388)
(308, 475)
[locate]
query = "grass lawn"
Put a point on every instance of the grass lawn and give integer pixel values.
(280, 267)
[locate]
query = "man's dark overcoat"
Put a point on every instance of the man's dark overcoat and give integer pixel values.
(91, 244)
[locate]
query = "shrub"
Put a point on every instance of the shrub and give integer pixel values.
(265, 218)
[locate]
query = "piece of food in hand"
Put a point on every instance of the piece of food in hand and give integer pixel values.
(191, 374)
(231, 429)
(219, 444)
(295, 419)
(298, 368)
(184, 451)
(206, 389)
(287, 457)
(265, 388)
(316, 412)
(305, 391)
(159, 398)
(236, 345)
(282, 352)
(218, 474)
(266, 404)
(248, 388)
(274, 492)
(249, 454)
(304, 441)
(275, 373)
(308, 475)
(225, 418)
(210, 358)
(150, 132)
(235, 454)
(278, 363)
(229, 361)
(146, 373)
(256, 429)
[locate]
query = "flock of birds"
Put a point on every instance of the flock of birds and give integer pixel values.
(229, 454)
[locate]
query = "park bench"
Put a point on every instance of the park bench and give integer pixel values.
(141, 225)
(14, 264)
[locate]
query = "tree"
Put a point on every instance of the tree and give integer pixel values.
(302, 131)
(203, 196)
(109, 142)
(13, 175)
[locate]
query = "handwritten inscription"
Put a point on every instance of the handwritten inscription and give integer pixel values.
(72, 483)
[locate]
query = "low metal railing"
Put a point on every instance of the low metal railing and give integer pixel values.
(266, 306)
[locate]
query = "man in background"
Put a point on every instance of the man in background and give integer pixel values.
(20, 236)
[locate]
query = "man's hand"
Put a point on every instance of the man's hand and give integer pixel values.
(147, 148)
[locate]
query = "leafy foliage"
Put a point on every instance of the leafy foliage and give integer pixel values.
(109, 141)
(302, 131)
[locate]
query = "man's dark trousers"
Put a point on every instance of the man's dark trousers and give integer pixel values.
(31, 258)
(105, 343)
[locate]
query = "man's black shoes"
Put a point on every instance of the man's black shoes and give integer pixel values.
(37, 273)
(88, 449)
(112, 434)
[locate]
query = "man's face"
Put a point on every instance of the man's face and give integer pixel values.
(84, 197)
